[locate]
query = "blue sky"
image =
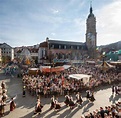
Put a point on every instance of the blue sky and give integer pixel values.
(29, 22)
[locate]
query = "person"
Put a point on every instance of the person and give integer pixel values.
(88, 94)
(71, 103)
(4, 97)
(113, 89)
(12, 104)
(92, 99)
(24, 91)
(102, 112)
(52, 102)
(38, 107)
(79, 98)
(2, 108)
(3, 85)
(116, 90)
(67, 100)
(57, 105)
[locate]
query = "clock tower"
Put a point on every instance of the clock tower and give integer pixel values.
(91, 34)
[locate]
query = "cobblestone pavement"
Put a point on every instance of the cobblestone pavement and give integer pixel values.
(25, 106)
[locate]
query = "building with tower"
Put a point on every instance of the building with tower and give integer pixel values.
(91, 34)
(61, 51)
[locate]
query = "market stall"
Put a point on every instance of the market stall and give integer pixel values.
(33, 71)
(83, 77)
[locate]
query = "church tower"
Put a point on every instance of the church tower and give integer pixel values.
(91, 34)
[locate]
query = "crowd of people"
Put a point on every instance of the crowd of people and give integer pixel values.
(69, 101)
(4, 98)
(60, 84)
(107, 112)
(56, 84)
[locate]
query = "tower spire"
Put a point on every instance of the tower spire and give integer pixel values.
(91, 7)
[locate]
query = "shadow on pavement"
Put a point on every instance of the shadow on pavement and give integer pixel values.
(30, 115)
(86, 109)
(116, 98)
(110, 98)
(64, 114)
(54, 113)
(73, 112)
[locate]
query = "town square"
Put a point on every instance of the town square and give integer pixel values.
(60, 59)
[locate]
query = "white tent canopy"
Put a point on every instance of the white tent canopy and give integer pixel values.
(85, 78)
(66, 66)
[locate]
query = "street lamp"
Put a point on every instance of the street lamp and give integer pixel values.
(103, 57)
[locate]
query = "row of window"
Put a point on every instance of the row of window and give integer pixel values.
(56, 46)
(6, 52)
(5, 49)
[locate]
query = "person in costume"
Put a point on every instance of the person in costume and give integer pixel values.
(79, 98)
(12, 104)
(71, 103)
(57, 105)
(113, 89)
(88, 94)
(52, 102)
(38, 107)
(92, 99)
(67, 100)
(2, 108)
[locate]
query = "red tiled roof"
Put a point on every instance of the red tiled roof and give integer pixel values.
(43, 44)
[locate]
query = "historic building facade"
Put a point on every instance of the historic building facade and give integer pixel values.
(91, 34)
(7, 52)
(61, 51)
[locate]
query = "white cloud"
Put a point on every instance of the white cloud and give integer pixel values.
(53, 34)
(54, 11)
(109, 24)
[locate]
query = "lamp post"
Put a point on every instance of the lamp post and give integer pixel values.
(103, 57)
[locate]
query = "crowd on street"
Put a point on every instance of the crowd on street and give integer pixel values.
(54, 85)
(107, 112)
(60, 84)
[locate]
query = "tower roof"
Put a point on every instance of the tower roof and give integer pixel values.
(91, 11)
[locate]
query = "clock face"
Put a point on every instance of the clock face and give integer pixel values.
(91, 36)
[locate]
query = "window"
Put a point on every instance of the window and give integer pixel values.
(77, 47)
(64, 46)
(59, 46)
(52, 46)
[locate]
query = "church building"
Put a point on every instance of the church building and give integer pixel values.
(55, 51)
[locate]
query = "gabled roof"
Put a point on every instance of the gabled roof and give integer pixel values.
(43, 44)
(1, 44)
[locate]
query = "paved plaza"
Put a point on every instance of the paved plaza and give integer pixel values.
(26, 105)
